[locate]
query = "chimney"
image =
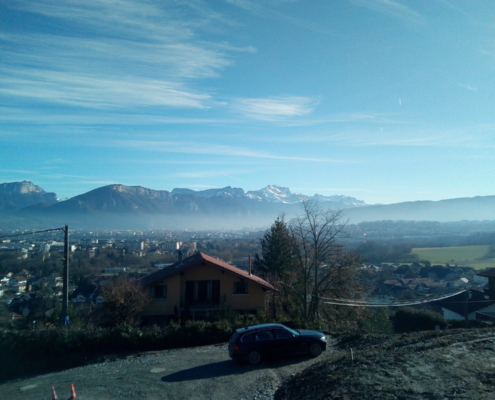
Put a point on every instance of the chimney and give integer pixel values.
(249, 264)
(179, 254)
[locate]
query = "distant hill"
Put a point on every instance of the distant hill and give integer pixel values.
(135, 207)
(17, 195)
(470, 208)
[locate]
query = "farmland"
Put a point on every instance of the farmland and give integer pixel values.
(472, 256)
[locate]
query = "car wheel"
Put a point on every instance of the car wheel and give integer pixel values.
(254, 357)
(315, 349)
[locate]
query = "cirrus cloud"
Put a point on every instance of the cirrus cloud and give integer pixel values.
(275, 108)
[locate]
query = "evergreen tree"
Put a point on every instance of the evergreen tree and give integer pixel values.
(276, 251)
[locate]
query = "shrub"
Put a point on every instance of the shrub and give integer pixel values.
(376, 321)
(411, 320)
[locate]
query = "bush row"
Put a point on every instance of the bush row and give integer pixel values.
(411, 319)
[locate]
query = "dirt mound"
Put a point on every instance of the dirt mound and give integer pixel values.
(457, 364)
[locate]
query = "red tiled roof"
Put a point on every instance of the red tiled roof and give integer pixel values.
(201, 258)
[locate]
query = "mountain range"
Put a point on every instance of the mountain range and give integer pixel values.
(134, 207)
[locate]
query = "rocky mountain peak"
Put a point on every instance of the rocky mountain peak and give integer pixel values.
(276, 194)
(227, 191)
(23, 187)
(16, 195)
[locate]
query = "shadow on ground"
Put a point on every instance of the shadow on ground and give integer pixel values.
(225, 368)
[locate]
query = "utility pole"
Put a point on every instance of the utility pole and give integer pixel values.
(65, 295)
(466, 312)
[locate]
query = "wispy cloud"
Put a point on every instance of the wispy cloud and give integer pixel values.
(125, 18)
(127, 57)
(86, 90)
(411, 137)
(18, 171)
(392, 8)
(393, 134)
(334, 190)
(110, 116)
(262, 10)
(205, 148)
(212, 173)
(469, 87)
(53, 161)
(275, 108)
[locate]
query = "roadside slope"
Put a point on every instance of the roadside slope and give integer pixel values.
(457, 364)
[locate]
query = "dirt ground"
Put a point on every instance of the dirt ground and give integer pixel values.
(425, 365)
(196, 373)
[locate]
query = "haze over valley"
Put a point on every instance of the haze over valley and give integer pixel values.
(124, 207)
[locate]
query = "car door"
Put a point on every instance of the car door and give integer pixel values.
(265, 340)
(286, 342)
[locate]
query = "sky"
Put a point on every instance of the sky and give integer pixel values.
(382, 100)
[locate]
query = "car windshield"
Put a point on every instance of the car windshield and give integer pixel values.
(292, 330)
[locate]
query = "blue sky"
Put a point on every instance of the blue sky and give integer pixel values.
(382, 100)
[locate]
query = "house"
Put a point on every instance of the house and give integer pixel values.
(114, 270)
(461, 282)
(19, 280)
(473, 304)
(402, 271)
(19, 288)
(87, 294)
(469, 303)
(199, 284)
(490, 274)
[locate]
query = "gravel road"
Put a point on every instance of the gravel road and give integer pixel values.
(204, 372)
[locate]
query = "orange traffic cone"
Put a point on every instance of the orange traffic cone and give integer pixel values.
(54, 394)
(72, 392)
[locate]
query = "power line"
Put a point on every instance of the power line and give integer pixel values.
(65, 291)
(397, 303)
(33, 232)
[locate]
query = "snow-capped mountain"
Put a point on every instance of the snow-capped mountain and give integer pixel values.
(346, 201)
(270, 194)
(123, 207)
(276, 194)
(282, 194)
(227, 191)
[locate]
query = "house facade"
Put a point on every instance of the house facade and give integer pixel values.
(199, 284)
(467, 305)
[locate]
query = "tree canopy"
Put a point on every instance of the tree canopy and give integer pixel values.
(304, 260)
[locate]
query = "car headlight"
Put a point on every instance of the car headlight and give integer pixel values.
(323, 338)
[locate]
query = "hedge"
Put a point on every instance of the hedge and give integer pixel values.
(412, 320)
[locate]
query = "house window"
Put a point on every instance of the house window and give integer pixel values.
(160, 292)
(240, 288)
(204, 292)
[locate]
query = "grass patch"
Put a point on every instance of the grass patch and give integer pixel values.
(471, 256)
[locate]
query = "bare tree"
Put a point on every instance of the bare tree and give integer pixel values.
(323, 268)
(125, 299)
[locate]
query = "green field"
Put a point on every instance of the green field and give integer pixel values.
(471, 256)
